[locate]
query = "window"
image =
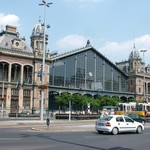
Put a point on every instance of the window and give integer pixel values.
(128, 119)
(119, 119)
(131, 82)
(26, 92)
(107, 118)
(14, 92)
(17, 44)
(26, 103)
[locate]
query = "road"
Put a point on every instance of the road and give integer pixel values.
(25, 139)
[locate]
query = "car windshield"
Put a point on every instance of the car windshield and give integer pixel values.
(107, 118)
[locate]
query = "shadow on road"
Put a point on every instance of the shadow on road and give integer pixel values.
(43, 136)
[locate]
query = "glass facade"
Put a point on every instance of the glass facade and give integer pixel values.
(87, 70)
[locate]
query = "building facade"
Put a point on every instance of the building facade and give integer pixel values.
(84, 70)
(88, 72)
(139, 75)
(20, 71)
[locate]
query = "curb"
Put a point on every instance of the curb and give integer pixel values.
(55, 125)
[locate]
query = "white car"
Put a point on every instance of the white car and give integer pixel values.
(118, 123)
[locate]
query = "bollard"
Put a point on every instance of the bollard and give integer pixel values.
(48, 122)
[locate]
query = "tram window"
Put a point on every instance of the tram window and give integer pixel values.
(139, 107)
(132, 108)
(148, 108)
(119, 108)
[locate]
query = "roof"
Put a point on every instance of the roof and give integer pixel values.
(10, 39)
(38, 29)
(83, 49)
(134, 54)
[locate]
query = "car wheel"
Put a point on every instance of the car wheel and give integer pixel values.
(115, 131)
(100, 132)
(139, 129)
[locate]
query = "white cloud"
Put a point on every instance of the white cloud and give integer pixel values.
(9, 19)
(72, 42)
(116, 52)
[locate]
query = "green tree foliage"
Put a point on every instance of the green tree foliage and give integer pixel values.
(109, 101)
(63, 99)
(86, 100)
(79, 102)
(95, 104)
(132, 100)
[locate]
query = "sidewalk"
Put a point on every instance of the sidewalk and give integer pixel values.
(55, 125)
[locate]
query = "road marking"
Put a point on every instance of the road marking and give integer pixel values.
(89, 137)
(10, 139)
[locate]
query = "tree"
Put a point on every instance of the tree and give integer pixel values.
(63, 99)
(77, 100)
(109, 101)
(95, 103)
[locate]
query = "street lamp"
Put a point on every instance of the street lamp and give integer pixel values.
(2, 99)
(45, 4)
(143, 51)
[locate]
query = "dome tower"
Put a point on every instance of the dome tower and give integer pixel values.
(37, 37)
(135, 61)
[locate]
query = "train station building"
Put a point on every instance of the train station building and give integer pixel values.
(84, 70)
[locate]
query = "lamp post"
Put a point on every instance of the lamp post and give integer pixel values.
(2, 99)
(143, 51)
(45, 4)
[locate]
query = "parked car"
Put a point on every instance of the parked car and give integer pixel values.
(137, 118)
(118, 123)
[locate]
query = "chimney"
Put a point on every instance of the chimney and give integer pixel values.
(10, 29)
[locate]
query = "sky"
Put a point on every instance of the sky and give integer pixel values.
(112, 26)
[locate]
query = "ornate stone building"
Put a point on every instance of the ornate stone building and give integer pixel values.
(139, 75)
(20, 71)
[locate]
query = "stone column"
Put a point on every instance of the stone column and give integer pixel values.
(31, 98)
(8, 90)
(21, 89)
(9, 73)
(146, 88)
(8, 98)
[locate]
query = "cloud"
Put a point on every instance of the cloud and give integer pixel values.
(72, 42)
(116, 52)
(9, 19)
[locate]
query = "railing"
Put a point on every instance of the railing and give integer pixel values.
(76, 117)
